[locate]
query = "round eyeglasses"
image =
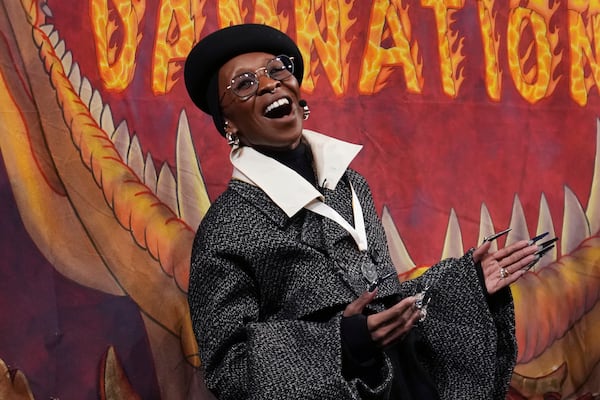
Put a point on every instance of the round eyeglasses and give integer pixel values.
(246, 84)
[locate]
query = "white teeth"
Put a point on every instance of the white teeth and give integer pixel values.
(486, 227)
(106, 120)
(96, 106)
(453, 245)
(518, 223)
(67, 62)
(276, 103)
(166, 188)
(60, 49)
(135, 158)
(75, 77)
(121, 139)
(150, 177)
(398, 252)
(47, 29)
(54, 38)
(46, 10)
(192, 197)
(85, 91)
(575, 223)
(545, 224)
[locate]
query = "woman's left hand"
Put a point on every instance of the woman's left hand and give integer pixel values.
(504, 266)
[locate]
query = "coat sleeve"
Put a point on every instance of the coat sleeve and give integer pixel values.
(470, 344)
(247, 357)
(469, 337)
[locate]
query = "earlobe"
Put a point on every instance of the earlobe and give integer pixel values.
(230, 127)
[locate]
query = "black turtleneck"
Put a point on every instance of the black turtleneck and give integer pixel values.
(299, 159)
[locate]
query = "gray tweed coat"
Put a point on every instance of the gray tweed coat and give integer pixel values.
(267, 292)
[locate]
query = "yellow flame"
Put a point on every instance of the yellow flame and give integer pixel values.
(116, 70)
(378, 62)
(450, 45)
(231, 12)
(581, 34)
(333, 50)
(491, 44)
(539, 81)
(176, 31)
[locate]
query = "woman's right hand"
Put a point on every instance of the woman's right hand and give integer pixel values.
(389, 325)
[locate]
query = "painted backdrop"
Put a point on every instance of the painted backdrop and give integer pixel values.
(475, 115)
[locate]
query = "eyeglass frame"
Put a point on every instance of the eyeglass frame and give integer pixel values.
(256, 76)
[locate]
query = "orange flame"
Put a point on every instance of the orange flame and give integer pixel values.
(265, 12)
(231, 12)
(491, 44)
(449, 45)
(33, 14)
(116, 70)
(539, 81)
(581, 33)
(176, 30)
(377, 61)
(332, 51)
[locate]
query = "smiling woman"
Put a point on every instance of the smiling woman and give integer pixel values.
(289, 286)
(444, 171)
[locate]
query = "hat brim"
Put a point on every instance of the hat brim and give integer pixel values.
(213, 51)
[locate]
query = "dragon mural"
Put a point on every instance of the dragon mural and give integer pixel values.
(475, 115)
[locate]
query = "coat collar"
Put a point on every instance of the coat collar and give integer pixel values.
(286, 188)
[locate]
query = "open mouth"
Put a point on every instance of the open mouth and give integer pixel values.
(279, 108)
(156, 210)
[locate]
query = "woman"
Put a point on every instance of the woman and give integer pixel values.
(287, 290)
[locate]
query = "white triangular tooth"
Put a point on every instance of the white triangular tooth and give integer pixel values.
(486, 227)
(60, 49)
(135, 158)
(166, 187)
(150, 177)
(47, 29)
(593, 207)
(518, 223)
(453, 246)
(85, 91)
(121, 139)
(96, 107)
(75, 78)
(106, 120)
(67, 62)
(191, 190)
(400, 257)
(54, 38)
(46, 10)
(575, 224)
(545, 224)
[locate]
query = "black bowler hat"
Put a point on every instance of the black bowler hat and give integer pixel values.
(210, 53)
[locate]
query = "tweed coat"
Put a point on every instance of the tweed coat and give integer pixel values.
(267, 293)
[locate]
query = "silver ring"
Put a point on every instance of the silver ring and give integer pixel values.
(503, 273)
